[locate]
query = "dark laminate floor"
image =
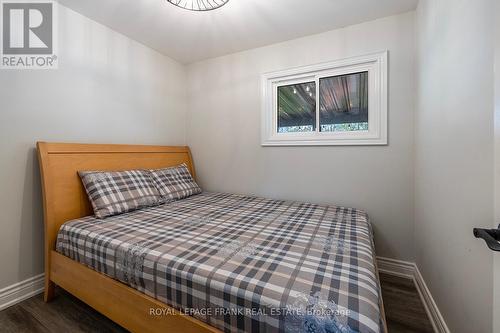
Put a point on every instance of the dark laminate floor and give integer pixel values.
(403, 308)
(404, 311)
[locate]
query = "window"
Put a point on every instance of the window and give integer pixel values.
(337, 103)
(297, 108)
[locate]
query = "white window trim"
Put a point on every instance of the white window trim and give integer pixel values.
(375, 64)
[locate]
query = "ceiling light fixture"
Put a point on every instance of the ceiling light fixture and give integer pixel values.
(198, 5)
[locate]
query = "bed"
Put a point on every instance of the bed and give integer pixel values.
(208, 263)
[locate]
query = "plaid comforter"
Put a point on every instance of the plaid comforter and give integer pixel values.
(241, 263)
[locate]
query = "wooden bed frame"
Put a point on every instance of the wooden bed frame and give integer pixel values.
(64, 199)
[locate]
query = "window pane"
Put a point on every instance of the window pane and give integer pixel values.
(344, 103)
(297, 108)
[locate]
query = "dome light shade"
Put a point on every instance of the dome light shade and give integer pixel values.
(199, 5)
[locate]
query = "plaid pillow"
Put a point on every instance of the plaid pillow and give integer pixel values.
(112, 193)
(175, 183)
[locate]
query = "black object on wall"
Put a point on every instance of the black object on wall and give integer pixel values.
(490, 236)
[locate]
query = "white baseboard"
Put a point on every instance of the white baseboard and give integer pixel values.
(411, 271)
(396, 267)
(20, 291)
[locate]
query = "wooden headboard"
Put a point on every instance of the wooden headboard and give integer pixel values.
(64, 197)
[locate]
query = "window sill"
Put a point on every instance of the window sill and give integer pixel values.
(319, 142)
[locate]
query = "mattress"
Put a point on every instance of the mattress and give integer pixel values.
(241, 263)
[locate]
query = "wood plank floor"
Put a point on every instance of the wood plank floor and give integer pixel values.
(404, 311)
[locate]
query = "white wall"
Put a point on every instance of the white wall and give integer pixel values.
(454, 158)
(224, 131)
(108, 89)
(496, 269)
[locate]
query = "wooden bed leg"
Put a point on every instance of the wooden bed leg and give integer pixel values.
(50, 288)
